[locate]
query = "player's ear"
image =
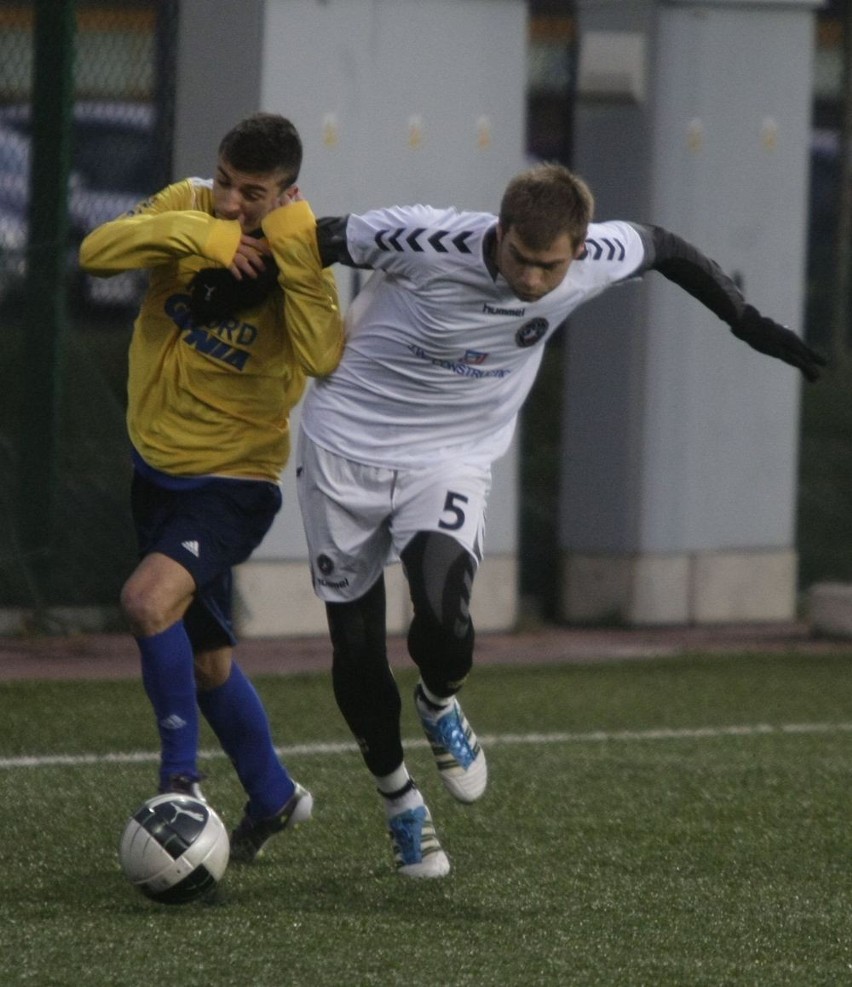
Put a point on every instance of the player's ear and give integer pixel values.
(290, 194)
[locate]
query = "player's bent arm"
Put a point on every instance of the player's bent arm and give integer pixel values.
(147, 239)
(332, 242)
(701, 277)
(312, 309)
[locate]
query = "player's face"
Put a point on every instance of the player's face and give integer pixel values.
(247, 197)
(532, 274)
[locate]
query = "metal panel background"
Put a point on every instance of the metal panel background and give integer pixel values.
(730, 173)
(400, 101)
(694, 444)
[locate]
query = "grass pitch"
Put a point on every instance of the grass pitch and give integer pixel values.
(668, 822)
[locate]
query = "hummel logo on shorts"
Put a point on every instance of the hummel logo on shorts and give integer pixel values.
(190, 546)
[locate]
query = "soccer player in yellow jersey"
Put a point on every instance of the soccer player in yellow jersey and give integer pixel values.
(238, 312)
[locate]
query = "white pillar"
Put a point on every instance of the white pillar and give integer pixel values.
(679, 473)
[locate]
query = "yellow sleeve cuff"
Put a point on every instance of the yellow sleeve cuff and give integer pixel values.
(297, 217)
(222, 241)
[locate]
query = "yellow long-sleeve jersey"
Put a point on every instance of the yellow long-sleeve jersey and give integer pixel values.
(215, 399)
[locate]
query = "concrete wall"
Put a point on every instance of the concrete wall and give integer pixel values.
(397, 101)
(680, 451)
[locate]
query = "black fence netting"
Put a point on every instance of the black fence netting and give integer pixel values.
(70, 546)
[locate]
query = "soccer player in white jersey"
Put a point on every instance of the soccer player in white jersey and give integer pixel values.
(396, 446)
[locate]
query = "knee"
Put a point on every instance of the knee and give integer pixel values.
(442, 652)
(212, 668)
(146, 610)
(440, 575)
(156, 595)
(139, 609)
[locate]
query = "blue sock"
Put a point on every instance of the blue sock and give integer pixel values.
(238, 719)
(169, 679)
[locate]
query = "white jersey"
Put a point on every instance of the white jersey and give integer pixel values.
(440, 354)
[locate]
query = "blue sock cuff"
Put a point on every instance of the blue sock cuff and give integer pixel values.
(172, 638)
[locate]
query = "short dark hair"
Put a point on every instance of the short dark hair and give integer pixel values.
(263, 143)
(544, 202)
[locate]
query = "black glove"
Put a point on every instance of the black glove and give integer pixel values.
(215, 295)
(768, 337)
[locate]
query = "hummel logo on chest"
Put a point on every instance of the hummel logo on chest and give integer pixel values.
(497, 310)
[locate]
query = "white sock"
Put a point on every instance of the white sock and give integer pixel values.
(411, 800)
(394, 782)
(434, 699)
(398, 781)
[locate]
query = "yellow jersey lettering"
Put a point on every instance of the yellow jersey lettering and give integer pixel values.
(217, 349)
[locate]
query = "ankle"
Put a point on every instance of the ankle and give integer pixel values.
(408, 797)
(432, 700)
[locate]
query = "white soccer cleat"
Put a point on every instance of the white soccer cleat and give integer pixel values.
(460, 759)
(416, 848)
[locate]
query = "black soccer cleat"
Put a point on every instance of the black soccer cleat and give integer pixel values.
(184, 784)
(250, 836)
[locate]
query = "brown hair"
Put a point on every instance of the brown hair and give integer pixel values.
(263, 143)
(544, 202)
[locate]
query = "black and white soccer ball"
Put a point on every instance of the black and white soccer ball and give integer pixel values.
(174, 849)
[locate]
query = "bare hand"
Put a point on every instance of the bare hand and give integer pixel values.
(248, 260)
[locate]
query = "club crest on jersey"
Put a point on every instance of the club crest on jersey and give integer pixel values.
(531, 332)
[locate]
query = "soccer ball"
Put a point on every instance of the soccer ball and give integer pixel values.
(174, 849)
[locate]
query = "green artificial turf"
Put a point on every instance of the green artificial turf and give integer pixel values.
(664, 822)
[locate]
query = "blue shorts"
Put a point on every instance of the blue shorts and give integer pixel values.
(207, 529)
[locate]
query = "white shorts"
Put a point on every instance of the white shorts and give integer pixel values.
(359, 518)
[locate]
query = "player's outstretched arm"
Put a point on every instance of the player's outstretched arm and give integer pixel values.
(768, 337)
(702, 278)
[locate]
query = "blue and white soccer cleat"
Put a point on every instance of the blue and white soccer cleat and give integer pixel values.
(415, 844)
(458, 755)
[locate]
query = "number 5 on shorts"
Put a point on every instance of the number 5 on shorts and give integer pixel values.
(451, 506)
